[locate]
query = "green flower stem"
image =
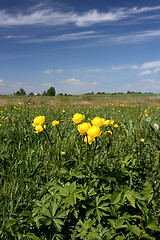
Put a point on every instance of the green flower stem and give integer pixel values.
(49, 141)
(60, 138)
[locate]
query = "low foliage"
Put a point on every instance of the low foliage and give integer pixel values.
(54, 185)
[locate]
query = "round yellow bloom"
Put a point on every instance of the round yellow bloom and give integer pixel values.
(88, 139)
(115, 125)
(39, 128)
(83, 128)
(55, 123)
(94, 131)
(108, 133)
(78, 117)
(106, 123)
(142, 140)
(111, 121)
(97, 121)
(38, 121)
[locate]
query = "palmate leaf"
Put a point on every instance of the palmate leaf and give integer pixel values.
(137, 231)
(130, 198)
(31, 236)
(116, 197)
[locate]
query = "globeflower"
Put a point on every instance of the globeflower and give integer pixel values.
(97, 121)
(88, 139)
(111, 121)
(83, 128)
(142, 140)
(39, 128)
(106, 123)
(94, 131)
(108, 133)
(55, 123)
(38, 121)
(78, 117)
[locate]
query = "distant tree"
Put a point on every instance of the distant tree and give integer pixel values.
(38, 94)
(44, 93)
(21, 92)
(51, 91)
(31, 94)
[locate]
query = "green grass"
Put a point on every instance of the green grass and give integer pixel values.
(54, 186)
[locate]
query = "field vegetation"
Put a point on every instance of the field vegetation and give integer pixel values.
(80, 167)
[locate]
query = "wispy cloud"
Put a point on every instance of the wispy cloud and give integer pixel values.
(135, 37)
(125, 66)
(47, 84)
(145, 73)
(65, 37)
(53, 17)
(153, 64)
(1, 82)
(73, 85)
(50, 71)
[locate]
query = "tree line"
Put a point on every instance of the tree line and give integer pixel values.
(50, 92)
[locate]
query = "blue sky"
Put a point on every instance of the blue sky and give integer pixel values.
(79, 46)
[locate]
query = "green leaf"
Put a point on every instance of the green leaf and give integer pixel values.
(130, 198)
(32, 236)
(116, 197)
(112, 223)
(119, 223)
(134, 229)
(72, 187)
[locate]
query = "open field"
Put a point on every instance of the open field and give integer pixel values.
(95, 175)
(90, 99)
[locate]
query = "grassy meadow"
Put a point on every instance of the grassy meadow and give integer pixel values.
(60, 180)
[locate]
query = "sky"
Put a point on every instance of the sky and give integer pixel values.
(79, 46)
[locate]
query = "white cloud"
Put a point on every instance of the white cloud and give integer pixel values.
(48, 71)
(94, 70)
(125, 66)
(60, 70)
(51, 16)
(153, 64)
(156, 70)
(145, 73)
(1, 82)
(47, 84)
(73, 85)
(135, 37)
(65, 37)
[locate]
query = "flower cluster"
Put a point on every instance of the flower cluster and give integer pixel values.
(37, 123)
(90, 132)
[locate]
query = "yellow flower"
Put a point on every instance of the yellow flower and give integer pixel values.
(97, 121)
(112, 121)
(106, 123)
(108, 133)
(126, 131)
(63, 153)
(116, 125)
(39, 128)
(142, 140)
(63, 111)
(38, 121)
(88, 139)
(83, 128)
(94, 131)
(55, 123)
(78, 117)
